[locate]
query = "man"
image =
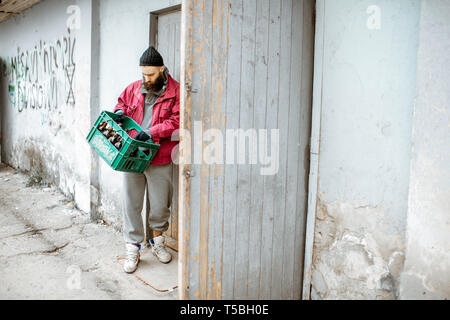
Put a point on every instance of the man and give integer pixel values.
(154, 103)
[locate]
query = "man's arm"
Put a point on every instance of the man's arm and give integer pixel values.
(121, 105)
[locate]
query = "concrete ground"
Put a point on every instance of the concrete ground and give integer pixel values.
(51, 250)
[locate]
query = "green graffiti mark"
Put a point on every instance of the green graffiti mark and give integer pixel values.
(42, 77)
(12, 91)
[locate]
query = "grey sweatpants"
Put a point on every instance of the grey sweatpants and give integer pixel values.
(157, 182)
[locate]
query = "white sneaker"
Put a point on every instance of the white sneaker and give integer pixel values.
(132, 259)
(159, 249)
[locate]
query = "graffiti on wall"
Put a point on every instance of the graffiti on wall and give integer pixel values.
(42, 77)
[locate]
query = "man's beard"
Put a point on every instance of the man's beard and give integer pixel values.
(157, 86)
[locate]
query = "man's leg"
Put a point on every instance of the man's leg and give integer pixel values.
(133, 228)
(160, 190)
(133, 201)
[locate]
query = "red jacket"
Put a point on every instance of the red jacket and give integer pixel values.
(165, 116)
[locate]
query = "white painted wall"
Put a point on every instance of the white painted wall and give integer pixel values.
(49, 141)
(427, 266)
(368, 85)
(113, 34)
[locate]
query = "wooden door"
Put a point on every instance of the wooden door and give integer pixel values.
(248, 65)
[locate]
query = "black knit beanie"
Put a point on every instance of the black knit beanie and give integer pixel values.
(151, 57)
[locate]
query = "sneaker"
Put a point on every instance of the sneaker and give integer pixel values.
(159, 249)
(132, 259)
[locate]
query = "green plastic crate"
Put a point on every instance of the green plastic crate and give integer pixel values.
(121, 160)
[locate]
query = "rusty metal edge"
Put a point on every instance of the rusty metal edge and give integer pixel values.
(315, 147)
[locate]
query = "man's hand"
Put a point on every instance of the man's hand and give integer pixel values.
(142, 136)
(120, 117)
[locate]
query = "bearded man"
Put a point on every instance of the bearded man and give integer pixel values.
(154, 103)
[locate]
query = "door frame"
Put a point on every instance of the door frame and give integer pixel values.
(153, 36)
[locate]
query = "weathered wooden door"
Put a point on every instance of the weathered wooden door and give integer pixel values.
(165, 36)
(168, 40)
(247, 65)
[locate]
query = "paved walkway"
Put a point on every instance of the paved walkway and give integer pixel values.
(51, 250)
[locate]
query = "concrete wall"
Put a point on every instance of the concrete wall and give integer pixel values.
(45, 94)
(427, 266)
(124, 35)
(368, 84)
